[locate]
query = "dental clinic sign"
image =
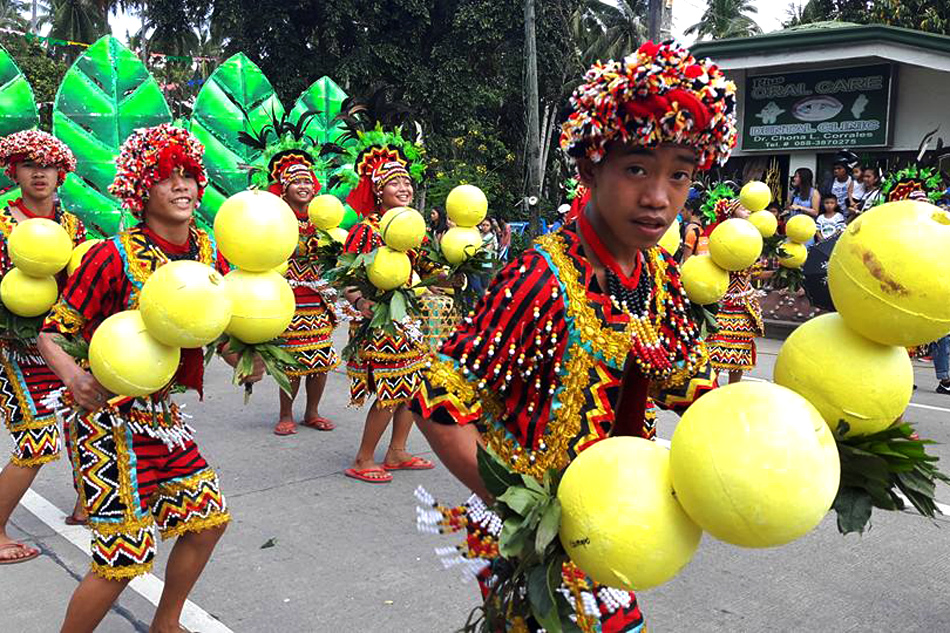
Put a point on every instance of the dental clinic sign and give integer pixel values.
(829, 108)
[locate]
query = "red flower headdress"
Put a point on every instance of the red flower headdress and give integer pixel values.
(376, 166)
(36, 145)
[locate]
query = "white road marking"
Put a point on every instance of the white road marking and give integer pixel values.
(929, 407)
(193, 617)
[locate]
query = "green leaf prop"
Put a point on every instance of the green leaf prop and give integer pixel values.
(236, 98)
(17, 107)
(325, 97)
(105, 95)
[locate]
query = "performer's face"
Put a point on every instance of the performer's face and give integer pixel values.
(174, 199)
(299, 193)
(35, 181)
(396, 193)
(637, 192)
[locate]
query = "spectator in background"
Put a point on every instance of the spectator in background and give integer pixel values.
(940, 350)
(775, 209)
(804, 197)
(841, 184)
(562, 212)
(831, 222)
(693, 240)
(438, 222)
(489, 239)
(872, 192)
(858, 190)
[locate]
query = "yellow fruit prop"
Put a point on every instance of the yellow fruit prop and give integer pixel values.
(390, 269)
(800, 229)
(795, 255)
(754, 464)
(765, 221)
(705, 282)
(402, 229)
(256, 230)
(338, 234)
(262, 305)
(735, 244)
(889, 274)
(755, 195)
(872, 383)
(127, 360)
(39, 247)
(185, 304)
(414, 282)
(466, 205)
(326, 212)
(460, 243)
(620, 522)
(75, 260)
(28, 296)
(282, 269)
(671, 239)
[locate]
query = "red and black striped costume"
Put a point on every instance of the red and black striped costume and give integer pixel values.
(139, 466)
(308, 337)
(538, 367)
(388, 366)
(25, 380)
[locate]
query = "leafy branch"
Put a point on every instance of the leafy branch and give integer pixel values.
(705, 318)
(15, 328)
(881, 470)
(276, 361)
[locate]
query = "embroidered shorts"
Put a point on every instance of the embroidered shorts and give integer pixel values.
(24, 382)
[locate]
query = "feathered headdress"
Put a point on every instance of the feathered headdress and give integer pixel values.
(288, 154)
(720, 203)
(913, 182)
(38, 146)
(659, 94)
(367, 156)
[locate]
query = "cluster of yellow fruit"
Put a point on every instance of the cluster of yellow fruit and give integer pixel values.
(736, 244)
(326, 212)
(466, 206)
(890, 282)
(187, 304)
(402, 230)
(39, 249)
(798, 231)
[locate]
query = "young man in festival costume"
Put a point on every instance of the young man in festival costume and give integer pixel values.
(387, 365)
(139, 470)
(308, 336)
(576, 337)
(38, 163)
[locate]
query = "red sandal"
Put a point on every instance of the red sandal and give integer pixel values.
(285, 427)
(363, 475)
(20, 546)
(319, 423)
(416, 463)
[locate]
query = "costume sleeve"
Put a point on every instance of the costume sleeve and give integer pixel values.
(222, 265)
(681, 391)
(362, 238)
(505, 358)
(91, 293)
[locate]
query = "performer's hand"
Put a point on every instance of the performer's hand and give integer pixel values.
(87, 392)
(256, 374)
(365, 307)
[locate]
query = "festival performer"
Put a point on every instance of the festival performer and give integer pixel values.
(387, 366)
(38, 163)
(576, 336)
(732, 347)
(140, 471)
(290, 175)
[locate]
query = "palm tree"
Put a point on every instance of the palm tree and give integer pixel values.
(11, 14)
(726, 18)
(78, 20)
(608, 31)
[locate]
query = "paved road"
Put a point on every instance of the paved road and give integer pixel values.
(347, 556)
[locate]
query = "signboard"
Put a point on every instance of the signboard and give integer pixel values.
(830, 108)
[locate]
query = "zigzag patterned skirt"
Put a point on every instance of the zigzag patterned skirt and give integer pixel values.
(25, 381)
(388, 366)
(308, 337)
(732, 348)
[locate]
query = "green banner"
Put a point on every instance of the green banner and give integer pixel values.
(830, 108)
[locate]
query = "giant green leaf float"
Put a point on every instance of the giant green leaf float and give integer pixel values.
(324, 96)
(17, 110)
(105, 95)
(236, 98)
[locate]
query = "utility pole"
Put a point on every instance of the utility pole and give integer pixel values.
(533, 149)
(34, 19)
(655, 19)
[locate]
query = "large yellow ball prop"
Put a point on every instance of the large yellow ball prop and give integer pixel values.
(889, 274)
(755, 195)
(460, 243)
(402, 228)
(735, 244)
(795, 255)
(28, 296)
(326, 212)
(75, 260)
(754, 464)
(765, 221)
(338, 234)
(256, 230)
(671, 239)
(262, 305)
(466, 205)
(390, 269)
(705, 282)
(800, 228)
(39, 247)
(127, 360)
(623, 534)
(185, 304)
(846, 376)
